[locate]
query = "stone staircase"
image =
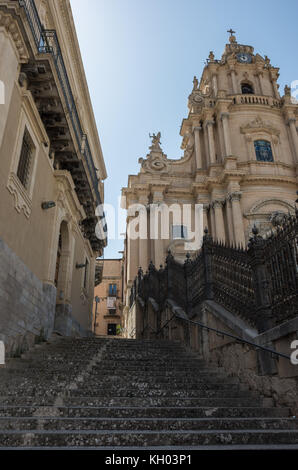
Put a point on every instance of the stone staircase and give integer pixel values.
(128, 394)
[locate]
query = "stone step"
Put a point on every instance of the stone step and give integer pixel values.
(139, 392)
(147, 438)
(170, 393)
(134, 401)
(114, 386)
(148, 412)
(144, 424)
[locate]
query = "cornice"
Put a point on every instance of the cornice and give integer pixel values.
(269, 179)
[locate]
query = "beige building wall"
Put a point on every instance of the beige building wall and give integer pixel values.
(103, 316)
(235, 104)
(48, 255)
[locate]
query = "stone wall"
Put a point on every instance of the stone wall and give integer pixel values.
(275, 378)
(27, 305)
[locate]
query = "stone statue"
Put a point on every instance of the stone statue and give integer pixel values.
(155, 139)
(195, 83)
(211, 56)
(287, 90)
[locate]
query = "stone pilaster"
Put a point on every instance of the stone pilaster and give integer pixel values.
(292, 125)
(238, 226)
(229, 221)
(198, 147)
(209, 125)
(234, 81)
(219, 220)
(144, 240)
(226, 133)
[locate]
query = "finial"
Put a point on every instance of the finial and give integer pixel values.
(267, 60)
(287, 90)
(232, 38)
(211, 56)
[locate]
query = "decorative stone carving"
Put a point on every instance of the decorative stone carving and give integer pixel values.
(156, 161)
(234, 197)
(258, 125)
(21, 197)
(11, 26)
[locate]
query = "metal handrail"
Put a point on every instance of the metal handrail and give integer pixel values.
(223, 333)
(46, 41)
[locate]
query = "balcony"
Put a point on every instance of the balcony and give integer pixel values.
(256, 100)
(46, 77)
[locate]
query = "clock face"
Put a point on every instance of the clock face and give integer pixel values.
(243, 57)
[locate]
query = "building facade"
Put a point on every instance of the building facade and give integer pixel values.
(51, 176)
(108, 299)
(239, 166)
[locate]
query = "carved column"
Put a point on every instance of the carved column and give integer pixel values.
(212, 221)
(132, 252)
(198, 147)
(158, 255)
(292, 125)
(226, 132)
(144, 239)
(237, 219)
(219, 221)
(234, 81)
(209, 125)
(260, 77)
(205, 216)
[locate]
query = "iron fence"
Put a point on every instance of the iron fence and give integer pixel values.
(258, 283)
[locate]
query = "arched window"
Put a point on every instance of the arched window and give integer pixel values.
(263, 151)
(247, 89)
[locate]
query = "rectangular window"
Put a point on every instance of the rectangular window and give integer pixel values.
(112, 290)
(25, 161)
(179, 231)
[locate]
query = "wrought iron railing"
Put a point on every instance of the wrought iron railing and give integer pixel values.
(222, 333)
(46, 41)
(259, 284)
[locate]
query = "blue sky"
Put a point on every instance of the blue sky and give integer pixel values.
(140, 57)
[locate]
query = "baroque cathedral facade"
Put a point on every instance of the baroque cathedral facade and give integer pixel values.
(240, 158)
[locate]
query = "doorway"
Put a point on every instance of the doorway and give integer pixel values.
(112, 329)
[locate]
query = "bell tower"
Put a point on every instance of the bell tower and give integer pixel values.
(239, 162)
(245, 142)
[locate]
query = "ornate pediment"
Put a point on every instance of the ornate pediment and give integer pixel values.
(258, 125)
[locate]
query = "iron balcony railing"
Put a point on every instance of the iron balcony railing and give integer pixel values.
(46, 41)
